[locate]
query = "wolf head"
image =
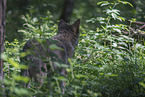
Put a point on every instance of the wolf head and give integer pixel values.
(70, 32)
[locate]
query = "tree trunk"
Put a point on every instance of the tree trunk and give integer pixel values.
(2, 37)
(67, 10)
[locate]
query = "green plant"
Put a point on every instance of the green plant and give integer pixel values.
(111, 62)
(12, 68)
(106, 62)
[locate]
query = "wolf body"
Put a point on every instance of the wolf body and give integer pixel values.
(42, 56)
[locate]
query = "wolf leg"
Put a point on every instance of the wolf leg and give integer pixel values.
(63, 73)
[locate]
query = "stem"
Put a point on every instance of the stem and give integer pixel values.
(58, 86)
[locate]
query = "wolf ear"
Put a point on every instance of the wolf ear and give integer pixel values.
(75, 26)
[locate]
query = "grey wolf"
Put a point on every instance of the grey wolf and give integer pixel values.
(45, 54)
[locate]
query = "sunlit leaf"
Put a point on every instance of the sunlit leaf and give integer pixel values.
(62, 78)
(21, 78)
(23, 66)
(114, 15)
(114, 45)
(23, 54)
(21, 91)
(4, 56)
(110, 74)
(142, 84)
(121, 18)
(54, 47)
(15, 64)
(30, 26)
(117, 30)
(64, 65)
(101, 73)
(116, 11)
(104, 4)
(80, 75)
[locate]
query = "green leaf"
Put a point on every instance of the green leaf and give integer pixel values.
(77, 87)
(130, 4)
(54, 47)
(23, 54)
(30, 26)
(125, 2)
(80, 75)
(23, 31)
(123, 43)
(117, 30)
(114, 15)
(15, 64)
(142, 84)
(108, 11)
(84, 35)
(21, 91)
(114, 45)
(21, 78)
(64, 65)
(116, 11)
(110, 74)
(91, 20)
(104, 4)
(4, 56)
(57, 64)
(61, 78)
(121, 18)
(23, 66)
(6, 81)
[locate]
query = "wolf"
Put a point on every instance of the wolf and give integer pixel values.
(43, 56)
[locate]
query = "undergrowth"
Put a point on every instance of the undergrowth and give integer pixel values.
(106, 63)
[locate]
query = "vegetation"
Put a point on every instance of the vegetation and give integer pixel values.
(106, 63)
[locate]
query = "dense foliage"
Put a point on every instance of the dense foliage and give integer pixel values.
(83, 10)
(106, 63)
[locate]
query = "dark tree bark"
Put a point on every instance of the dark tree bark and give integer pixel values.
(2, 36)
(2, 30)
(67, 10)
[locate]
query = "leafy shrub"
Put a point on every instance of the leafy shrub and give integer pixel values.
(111, 62)
(106, 63)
